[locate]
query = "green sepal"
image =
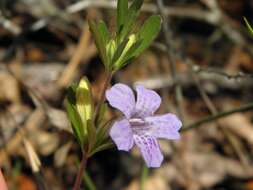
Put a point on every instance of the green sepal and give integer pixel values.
(76, 122)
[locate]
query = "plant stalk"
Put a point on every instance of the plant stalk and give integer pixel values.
(79, 176)
(102, 96)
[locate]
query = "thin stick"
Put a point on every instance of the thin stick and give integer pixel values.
(212, 118)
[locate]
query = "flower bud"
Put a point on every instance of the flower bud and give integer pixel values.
(84, 102)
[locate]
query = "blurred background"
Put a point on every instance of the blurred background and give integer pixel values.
(201, 65)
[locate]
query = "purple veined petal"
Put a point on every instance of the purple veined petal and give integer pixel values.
(148, 101)
(150, 150)
(121, 97)
(121, 134)
(164, 126)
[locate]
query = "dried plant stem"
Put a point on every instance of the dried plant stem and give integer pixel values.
(79, 176)
(211, 118)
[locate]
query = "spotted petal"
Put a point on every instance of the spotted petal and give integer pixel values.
(150, 150)
(164, 126)
(148, 101)
(122, 98)
(121, 134)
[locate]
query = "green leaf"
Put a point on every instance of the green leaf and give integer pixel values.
(100, 36)
(102, 147)
(248, 25)
(148, 33)
(76, 122)
(132, 15)
(104, 32)
(122, 11)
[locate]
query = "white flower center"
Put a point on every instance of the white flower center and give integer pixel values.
(139, 126)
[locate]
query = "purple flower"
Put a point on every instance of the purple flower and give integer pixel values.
(139, 124)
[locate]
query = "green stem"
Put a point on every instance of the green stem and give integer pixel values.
(218, 116)
(88, 181)
(144, 175)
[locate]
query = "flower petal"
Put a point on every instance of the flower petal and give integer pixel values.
(122, 98)
(150, 150)
(164, 126)
(148, 101)
(121, 134)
